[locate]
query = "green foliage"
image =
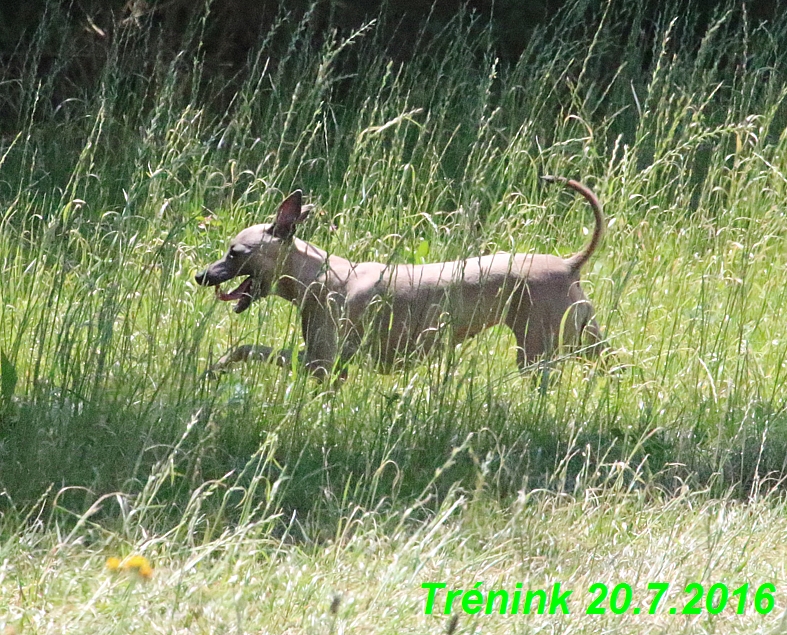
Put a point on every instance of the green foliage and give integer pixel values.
(110, 202)
(8, 379)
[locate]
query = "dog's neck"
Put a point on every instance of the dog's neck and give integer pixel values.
(304, 265)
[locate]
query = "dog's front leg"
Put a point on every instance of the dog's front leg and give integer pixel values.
(253, 352)
(320, 354)
(321, 335)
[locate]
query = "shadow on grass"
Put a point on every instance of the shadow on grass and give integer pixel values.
(321, 463)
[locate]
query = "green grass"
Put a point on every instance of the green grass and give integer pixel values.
(109, 204)
(368, 575)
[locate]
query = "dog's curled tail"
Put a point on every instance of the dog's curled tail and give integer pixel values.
(578, 260)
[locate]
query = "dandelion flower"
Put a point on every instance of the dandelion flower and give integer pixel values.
(133, 564)
(136, 562)
(140, 566)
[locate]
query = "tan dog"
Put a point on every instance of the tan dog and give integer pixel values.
(401, 310)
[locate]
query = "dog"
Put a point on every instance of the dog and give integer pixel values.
(398, 311)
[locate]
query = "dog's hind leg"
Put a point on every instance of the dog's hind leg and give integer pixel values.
(579, 331)
(593, 343)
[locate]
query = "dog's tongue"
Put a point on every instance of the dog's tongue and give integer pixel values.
(241, 290)
(242, 294)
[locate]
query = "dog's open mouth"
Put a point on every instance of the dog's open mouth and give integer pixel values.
(242, 293)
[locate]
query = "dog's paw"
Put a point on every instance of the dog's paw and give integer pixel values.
(214, 373)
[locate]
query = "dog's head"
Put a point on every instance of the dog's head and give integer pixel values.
(256, 253)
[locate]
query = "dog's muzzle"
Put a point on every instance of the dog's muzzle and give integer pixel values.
(243, 295)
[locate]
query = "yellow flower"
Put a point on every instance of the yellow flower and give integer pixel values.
(136, 562)
(132, 564)
(140, 566)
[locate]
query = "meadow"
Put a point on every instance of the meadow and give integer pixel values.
(265, 502)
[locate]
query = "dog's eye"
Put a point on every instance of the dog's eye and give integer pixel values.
(237, 253)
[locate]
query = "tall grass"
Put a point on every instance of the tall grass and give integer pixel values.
(367, 573)
(112, 201)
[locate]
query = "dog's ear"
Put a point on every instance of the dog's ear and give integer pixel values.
(290, 213)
